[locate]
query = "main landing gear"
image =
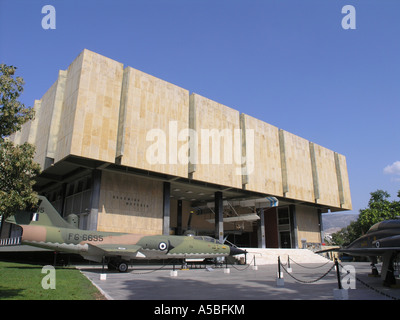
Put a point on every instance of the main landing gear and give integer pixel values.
(387, 268)
(118, 264)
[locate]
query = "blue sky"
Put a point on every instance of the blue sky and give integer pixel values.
(287, 62)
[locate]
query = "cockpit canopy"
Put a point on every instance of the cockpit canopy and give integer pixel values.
(206, 238)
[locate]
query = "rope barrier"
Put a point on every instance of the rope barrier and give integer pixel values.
(170, 263)
(371, 287)
(306, 267)
(293, 277)
(310, 281)
(151, 271)
(358, 279)
(158, 269)
(245, 268)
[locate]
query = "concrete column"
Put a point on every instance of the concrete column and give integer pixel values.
(63, 196)
(166, 207)
(94, 200)
(293, 226)
(219, 220)
(179, 218)
(321, 226)
(261, 229)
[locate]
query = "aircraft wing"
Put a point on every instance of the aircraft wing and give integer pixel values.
(328, 250)
(129, 251)
(369, 251)
(379, 247)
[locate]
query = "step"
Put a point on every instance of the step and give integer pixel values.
(270, 256)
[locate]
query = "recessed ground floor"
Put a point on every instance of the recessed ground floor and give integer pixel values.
(111, 197)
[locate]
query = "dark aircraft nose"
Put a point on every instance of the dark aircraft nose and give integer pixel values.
(235, 251)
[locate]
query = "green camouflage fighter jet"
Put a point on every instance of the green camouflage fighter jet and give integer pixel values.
(47, 229)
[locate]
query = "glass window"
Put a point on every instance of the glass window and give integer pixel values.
(283, 216)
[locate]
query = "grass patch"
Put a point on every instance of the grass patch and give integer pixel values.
(24, 282)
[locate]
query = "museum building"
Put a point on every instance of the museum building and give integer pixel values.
(128, 152)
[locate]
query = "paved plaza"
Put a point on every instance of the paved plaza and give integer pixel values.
(241, 283)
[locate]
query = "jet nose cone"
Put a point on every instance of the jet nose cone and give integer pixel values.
(235, 251)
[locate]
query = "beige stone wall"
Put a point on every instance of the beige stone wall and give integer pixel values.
(307, 225)
(95, 113)
(215, 125)
(64, 139)
(153, 114)
(327, 178)
(343, 181)
(266, 176)
(56, 112)
(130, 204)
(297, 178)
(97, 109)
(47, 111)
(43, 130)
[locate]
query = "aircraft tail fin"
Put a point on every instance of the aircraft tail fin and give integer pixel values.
(45, 215)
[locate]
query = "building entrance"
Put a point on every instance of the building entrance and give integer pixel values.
(285, 240)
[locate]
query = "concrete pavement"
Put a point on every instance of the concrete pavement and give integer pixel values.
(241, 283)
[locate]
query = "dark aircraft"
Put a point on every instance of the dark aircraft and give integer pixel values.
(45, 228)
(382, 239)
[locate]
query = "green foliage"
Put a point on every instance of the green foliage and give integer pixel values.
(347, 235)
(13, 114)
(379, 208)
(17, 172)
(17, 168)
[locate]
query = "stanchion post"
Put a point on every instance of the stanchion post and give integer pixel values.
(254, 266)
(103, 276)
(279, 267)
(280, 282)
(340, 293)
(226, 270)
(173, 273)
(338, 274)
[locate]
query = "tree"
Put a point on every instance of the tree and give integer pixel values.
(17, 172)
(379, 196)
(379, 209)
(347, 235)
(17, 168)
(13, 114)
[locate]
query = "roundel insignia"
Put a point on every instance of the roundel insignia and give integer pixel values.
(377, 244)
(162, 246)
